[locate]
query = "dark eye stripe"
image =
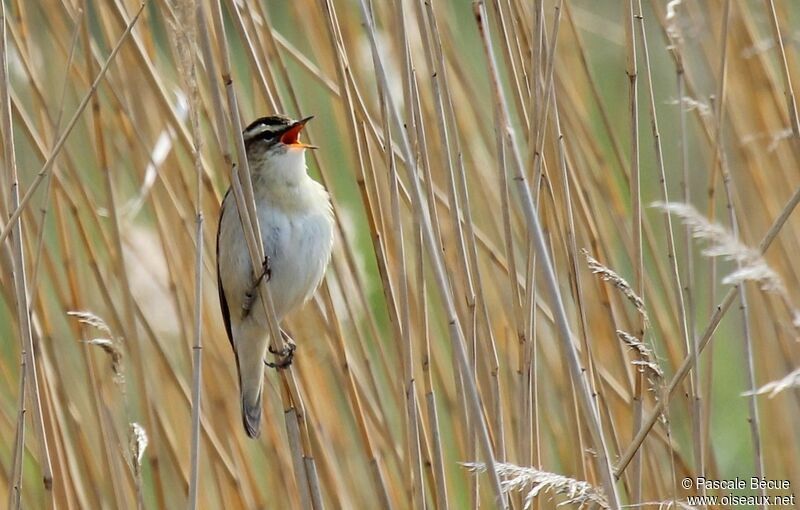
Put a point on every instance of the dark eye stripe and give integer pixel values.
(266, 128)
(263, 135)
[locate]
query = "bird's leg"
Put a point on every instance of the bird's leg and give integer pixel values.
(250, 295)
(283, 358)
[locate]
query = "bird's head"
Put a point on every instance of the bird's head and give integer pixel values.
(273, 146)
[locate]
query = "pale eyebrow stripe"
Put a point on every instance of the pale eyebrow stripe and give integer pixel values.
(260, 130)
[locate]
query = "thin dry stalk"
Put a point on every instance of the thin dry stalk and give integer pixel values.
(186, 43)
(687, 104)
(414, 473)
(753, 415)
(456, 332)
(636, 207)
(579, 376)
(20, 285)
(670, 241)
(15, 490)
(788, 90)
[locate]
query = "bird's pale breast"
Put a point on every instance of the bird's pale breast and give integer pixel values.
(298, 242)
(299, 247)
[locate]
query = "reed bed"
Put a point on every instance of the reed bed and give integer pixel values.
(565, 268)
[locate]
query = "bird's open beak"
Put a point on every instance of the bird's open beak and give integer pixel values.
(291, 136)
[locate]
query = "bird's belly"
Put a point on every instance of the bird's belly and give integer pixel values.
(299, 249)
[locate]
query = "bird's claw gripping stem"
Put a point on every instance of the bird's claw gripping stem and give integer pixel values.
(266, 271)
(283, 358)
(250, 295)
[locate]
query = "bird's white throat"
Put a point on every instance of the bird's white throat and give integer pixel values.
(282, 180)
(280, 168)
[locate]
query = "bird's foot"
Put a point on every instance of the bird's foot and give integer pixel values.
(283, 358)
(250, 295)
(266, 271)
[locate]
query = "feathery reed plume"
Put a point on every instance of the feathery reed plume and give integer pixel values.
(691, 104)
(766, 44)
(775, 138)
(91, 319)
(609, 275)
(671, 17)
(722, 243)
(647, 360)
(109, 345)
(774, 387)
(137, 444)
(533, 482)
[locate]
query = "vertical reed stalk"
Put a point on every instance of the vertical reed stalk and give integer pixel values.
(28, 363)
(579, 376)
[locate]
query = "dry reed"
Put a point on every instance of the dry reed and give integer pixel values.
(470, 151)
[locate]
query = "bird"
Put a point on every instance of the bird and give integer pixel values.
(296, 220)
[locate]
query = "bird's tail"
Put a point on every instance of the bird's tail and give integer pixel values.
(250, 362)
(251, 413)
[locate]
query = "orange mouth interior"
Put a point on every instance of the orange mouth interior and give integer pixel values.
(292, 135)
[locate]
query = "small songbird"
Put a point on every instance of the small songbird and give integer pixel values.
(296, 221)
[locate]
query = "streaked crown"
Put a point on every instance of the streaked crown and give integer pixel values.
(267, 128)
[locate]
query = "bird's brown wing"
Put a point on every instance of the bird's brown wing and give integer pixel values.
(223, 303)
(250, 396)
